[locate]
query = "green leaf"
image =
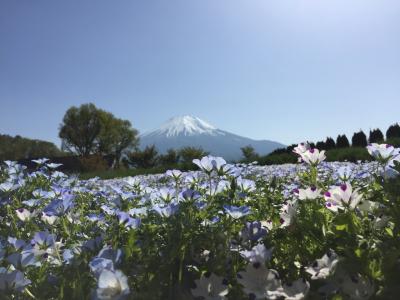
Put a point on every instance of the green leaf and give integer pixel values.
(342, 227)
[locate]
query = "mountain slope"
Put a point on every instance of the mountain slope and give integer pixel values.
(186, 131)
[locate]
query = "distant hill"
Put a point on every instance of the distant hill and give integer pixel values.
(186, 131)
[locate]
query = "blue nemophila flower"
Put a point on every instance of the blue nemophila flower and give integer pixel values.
(12, 280)
(237, 212)
(210, 163)
(127, 220)
(175, 174)
(31, 202)
(253, 231)
(190, 194)
(246, 185)
(98, 264)
(112, 285)
(167, 210)
(43, 239)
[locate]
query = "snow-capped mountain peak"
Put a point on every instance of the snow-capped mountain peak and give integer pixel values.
(186, 126)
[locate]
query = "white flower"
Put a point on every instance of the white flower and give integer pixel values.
(310, 193)
(301, 148)
(258, 253)
(342, 196)
(313, 156)
(355, 286)
(49, 219)
(296, 290)
(288, 213)
(25, 215)
(257, 280)
(112, 285)
(324, 266)
(382, 151)
(210, 288)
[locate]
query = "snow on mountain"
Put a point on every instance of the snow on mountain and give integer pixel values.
(185, 125)
(184, 131)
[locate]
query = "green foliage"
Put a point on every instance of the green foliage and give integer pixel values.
(146, 158)
(80, 128)
(14, 148)
(88, 130)
(116, 136)
(273, 159)
(187, 154)
(394, 141)
(329, 143)
(352, 154)
(393, 131)
(249, 154)
(359, 139)
(376, 136)
(342, 141)
(172, 157)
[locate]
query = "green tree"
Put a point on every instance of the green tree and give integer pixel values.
(170, 158)
(80, 128)
(147, 158)
(376, 136)
(187, 154)
(116, 136)
(249, 153)
(393, 131)
(342, 141)
(330, 143)
(15, 148)
(359, 139)
(320, 145)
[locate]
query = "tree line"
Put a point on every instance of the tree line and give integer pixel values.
(339, 149)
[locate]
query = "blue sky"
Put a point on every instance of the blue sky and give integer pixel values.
(286, 70)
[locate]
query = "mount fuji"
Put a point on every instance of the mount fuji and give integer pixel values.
(184, 131)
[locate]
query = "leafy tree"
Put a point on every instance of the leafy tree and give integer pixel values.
(170, 158)
(359, 139)
(187, 154)
(116, 136)
(321, 145)
(330, 143)
(80, 128)
(393, 131)
(376, 136)
(249, 153)
(342, 141)
(147, 158)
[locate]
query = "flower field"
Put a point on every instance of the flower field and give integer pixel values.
(313, 230)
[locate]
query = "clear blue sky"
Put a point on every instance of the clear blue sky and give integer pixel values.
(286, 70)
